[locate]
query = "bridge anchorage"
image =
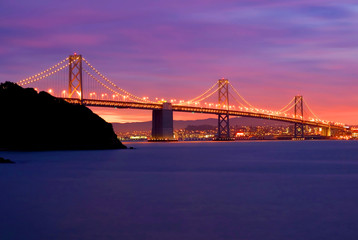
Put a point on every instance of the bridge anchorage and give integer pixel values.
(162, 124)
(83, 84)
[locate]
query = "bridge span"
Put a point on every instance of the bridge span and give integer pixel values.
(76, 81)
(193, 109)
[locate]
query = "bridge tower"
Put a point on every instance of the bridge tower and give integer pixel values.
(299, 127)
(223, 118)
(75, 77)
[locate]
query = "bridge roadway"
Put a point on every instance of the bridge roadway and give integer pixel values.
(180, 108)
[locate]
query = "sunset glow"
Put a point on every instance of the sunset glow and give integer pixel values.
(269, 50)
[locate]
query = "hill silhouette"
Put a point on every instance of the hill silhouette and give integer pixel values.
(39, 121)
(181, 124)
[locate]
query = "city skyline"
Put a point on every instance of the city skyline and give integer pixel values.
(270, 51)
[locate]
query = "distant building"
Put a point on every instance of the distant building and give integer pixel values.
(354, 132)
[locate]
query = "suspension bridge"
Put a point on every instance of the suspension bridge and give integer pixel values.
(76, 81)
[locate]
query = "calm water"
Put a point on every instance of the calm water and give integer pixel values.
(210, 190)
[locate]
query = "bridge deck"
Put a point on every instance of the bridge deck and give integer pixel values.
(180, 108)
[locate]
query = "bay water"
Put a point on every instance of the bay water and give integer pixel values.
(183, 190)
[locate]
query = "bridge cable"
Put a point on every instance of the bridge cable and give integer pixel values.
(41, 73)
(240, 96)
(44, 76)
(194, 99)
(207, 95)
(110, 89)
(311, 110)
(114, 85)
(288, 109)
(287, 105)
(237, 100)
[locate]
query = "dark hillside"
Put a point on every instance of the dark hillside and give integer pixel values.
(39, 121)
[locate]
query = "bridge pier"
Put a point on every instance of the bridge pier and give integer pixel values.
(162, 123)
(299, 131)
(223, 128)
(326, 132)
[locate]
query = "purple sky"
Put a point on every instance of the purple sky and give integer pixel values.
(269, 50)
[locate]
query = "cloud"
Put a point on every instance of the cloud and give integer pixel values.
(269, 49)
(327, 12)
(58, 40)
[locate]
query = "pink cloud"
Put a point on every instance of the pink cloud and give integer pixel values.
(270, 50)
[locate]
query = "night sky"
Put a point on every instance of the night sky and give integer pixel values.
(269, 50)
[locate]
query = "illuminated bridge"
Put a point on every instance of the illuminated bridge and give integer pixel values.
(76, 81)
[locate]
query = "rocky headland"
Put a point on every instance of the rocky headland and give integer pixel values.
(4, 160)
(38, 121)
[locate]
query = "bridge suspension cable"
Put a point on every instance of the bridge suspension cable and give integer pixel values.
(288, 109)
(198, 97)
(241, 96)
(237, 100)
(41, 75)
(139, 99)
(281, 110)
(104, 85)
(110, 89)
(203, 98)
(310, 110)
